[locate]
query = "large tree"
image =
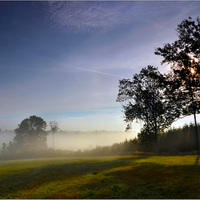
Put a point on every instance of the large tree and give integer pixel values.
(184, 57)
(143, 99)
(31, 134)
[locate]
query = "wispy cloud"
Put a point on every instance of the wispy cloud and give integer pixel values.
(75, 118)
(84, 15)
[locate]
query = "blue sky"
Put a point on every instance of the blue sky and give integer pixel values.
(63, 61)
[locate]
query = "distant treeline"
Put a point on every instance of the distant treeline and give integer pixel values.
(175, 141)
(182, 139)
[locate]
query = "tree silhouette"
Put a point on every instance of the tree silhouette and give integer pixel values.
(54, 128)
(30, 134)
(142, 99)
(184, 57)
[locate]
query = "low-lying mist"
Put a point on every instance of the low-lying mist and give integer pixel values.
(77, 140)
(86, 140)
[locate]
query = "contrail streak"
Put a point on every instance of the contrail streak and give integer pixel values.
(63, 70)
(94, 71)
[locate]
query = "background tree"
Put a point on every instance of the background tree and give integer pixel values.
(54, 128)
(144, 137)
(31, 134)
(184, 57)
(4, 148)
(142, 99)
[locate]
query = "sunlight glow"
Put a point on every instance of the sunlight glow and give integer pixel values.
(192, 70)
(193, 58)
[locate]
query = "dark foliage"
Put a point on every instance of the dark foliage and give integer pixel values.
(178, 140)
(184, 78)
(30, 134)
(143, 99)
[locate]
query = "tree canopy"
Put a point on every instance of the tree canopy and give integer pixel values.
(31, 134)
(184, 79)
(143, 99)
(184, 57)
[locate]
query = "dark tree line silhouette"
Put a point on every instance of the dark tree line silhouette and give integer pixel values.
(160, 99)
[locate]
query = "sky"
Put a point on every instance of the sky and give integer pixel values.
(63, 60)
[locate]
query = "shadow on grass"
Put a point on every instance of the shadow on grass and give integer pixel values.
(121, 178)
(34, 178)
(197, 160)
(148, 181)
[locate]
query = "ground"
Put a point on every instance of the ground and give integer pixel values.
(123, 177)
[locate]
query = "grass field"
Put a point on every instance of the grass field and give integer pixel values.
(124, 177)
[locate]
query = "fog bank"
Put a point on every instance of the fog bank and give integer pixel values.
(77, 140)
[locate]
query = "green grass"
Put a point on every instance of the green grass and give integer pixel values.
(138, 176)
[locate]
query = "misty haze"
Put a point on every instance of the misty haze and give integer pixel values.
(76, 140)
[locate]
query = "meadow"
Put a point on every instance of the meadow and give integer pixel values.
(136, 176)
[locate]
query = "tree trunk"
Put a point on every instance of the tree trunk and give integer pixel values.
(197, 134)
(53, 140)
(195, 122)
